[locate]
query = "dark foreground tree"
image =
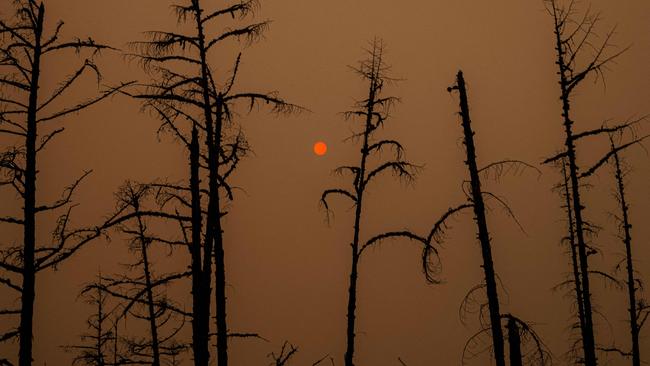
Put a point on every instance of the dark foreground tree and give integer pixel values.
(29, 121)
(638, 310)
(476, 200)
(140, 291)
(196, 102)
(578, 57)
(573, 280)
(372, 112)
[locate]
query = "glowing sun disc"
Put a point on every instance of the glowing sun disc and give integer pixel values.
(320, 148)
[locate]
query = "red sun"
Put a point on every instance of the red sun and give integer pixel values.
(320, 148)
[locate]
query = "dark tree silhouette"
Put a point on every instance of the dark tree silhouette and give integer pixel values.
(373, 112)
(481, 223)
(96, 346)
(29, 120)
(196, 103)
(574, 40)
(476, 201)
(514, 343)
(573, 282)
(141, 292)
(638, 309)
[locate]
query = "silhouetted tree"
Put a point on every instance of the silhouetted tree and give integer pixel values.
(30, 120)
(373, 112)
(141, 291)
(94, 351)
(638, 309)
(573, 282)
(573, 38)
(481, 223)
(196, 102)
(514, 343)
(475, 196)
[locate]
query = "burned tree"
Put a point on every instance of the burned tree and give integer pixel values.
(196, 102)
(478, 206)
(574, 42)
(573, 281)
(29, 122)
(96, 346)
(638, 310)
(373, 112)
(141, 292)
(476, 198)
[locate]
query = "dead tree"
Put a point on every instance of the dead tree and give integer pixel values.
(573, 282)
(481, 223)
(514, 343)
(638, 310)
(196, 103)
(372, 111)
(476, 200)
(95, 347)
(30, 121)
(573, 42)
(141, 292)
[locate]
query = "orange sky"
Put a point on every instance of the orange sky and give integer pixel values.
(287, 270)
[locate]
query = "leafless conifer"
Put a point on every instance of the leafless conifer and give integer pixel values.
(575, 40)
(30, 121)
(372, 111)
(196, 103)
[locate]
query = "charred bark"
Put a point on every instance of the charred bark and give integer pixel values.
(514, 343)
(631, 281)
(481, 223)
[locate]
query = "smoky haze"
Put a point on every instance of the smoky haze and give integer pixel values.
(287, 269)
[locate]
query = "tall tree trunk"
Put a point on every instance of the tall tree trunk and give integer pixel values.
(359, 189)
(352, 297)
(627, 239)
(199, 336)
(213, 144)
(588, 339)
(219, 253)
(115, 351)
(574, 250)
(29, 268)
(100, 327)
(153, 327)
(514, 342)
(481, 222)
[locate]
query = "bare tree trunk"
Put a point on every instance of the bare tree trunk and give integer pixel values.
(29, 268)
(220, 297)
(153, 328)
(115, 350)
(588, 340)
(359, 187)
(631, 282)
(587, 331)
(352, 299)
(213, 143)
(100, 328)
(514, 342)
(572, 243)
(481, 222)
(199, 335)
(219, 253)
